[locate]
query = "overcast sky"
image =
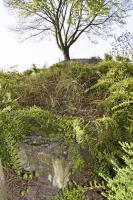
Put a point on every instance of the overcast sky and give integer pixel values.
(12, 52)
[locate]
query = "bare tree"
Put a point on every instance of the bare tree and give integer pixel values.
(123, 46)
(67, 20)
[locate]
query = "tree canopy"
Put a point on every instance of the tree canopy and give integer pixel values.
(67, 20)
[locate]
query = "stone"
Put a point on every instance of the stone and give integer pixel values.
(50, 159)
(3, 192)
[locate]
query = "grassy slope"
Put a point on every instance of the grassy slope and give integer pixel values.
(62, 89)
(66, 89)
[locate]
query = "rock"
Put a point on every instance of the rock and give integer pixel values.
(50, 160)
(3, 193)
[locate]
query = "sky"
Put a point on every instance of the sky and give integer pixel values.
(23, 55)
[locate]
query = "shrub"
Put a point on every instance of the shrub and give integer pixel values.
(115, 122)
(107, 57)
(17, 123)
(75, 193)
(120, 187)
(7, 81)
(11, 130)
(62, 88)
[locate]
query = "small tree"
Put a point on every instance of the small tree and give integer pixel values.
(67, 20)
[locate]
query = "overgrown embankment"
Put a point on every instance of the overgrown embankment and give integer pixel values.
(90, 106)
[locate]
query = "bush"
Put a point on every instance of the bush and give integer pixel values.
(16, 124)
(63, 88)
(120, 187)
(11, 130)
(76, 193)
(107, 57)
(115, 122)
(7, 82)
(101, 94)
(122, 59)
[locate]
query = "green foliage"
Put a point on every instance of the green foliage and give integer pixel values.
(120, 58)
(90, 107)
(78, 161)
(107, 57)
(7, 81)
(62, 88)
(16, 124)
(115, 122)
(120, 187)
(67, 20)
(76, 193)
(38, 121)
(10, 131)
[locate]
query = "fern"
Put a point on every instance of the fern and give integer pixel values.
(75, 193)
(121, 186)
(10, 132)
(115, 122)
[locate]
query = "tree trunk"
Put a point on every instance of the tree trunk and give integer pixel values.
(65, 51)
